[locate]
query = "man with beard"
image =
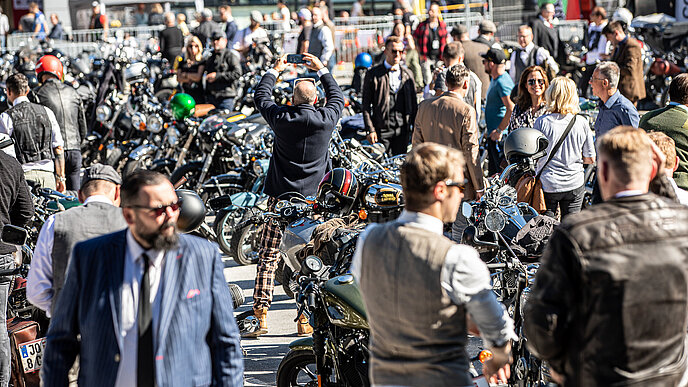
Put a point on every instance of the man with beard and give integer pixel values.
(145, 306)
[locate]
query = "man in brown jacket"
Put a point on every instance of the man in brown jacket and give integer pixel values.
(628, 55)
(472, 56)
(448, 120)
(389, 100)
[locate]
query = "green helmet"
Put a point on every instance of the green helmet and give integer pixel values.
(182, 106)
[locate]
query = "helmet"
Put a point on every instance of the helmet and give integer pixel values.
(192, 211)
(623, 15)
(136, 72)
(525, 142)
(182, 106)
(337, 191)
(363, 60)
(49, 64)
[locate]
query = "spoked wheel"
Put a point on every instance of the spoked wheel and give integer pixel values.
(245, 242)
(297, 369)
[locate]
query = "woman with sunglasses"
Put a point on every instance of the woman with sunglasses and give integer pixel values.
(530, 100)
(190, 74)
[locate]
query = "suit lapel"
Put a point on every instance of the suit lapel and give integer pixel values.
(171, 284)
(116, 274)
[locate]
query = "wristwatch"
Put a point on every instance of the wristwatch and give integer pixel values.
(60, 178)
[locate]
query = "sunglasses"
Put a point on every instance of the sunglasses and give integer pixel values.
(460, 185)
(531, 82)
(397, 52)
(161, 209)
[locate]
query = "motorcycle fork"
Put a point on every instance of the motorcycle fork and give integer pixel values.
(205, 169)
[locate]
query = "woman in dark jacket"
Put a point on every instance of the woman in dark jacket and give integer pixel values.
(190, 74)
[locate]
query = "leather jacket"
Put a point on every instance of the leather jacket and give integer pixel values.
(64, 101)
(375, 99)
(226, 64)
(610, 300)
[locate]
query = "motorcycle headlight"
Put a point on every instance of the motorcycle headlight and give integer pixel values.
(495, 221)
(138, 121)
(103, 113)
(236, 155)
(155, 123)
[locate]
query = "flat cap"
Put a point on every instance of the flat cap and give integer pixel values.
(101, 172)
(487, 26)
(305, 13)
(256, 16)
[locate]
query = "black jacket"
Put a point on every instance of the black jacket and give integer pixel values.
(171, 43)
(545, 37)
(226, 64)
(302, 135)
(16, 205)
(64, 101)
(376, 98)
(610, 301)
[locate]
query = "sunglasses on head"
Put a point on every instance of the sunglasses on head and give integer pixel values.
(532, 82)
(460, 185)
(161, 209)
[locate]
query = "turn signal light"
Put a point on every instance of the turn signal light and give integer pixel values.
(363, 215)
(484, 356)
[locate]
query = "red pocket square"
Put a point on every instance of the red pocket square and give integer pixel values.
(192, 293)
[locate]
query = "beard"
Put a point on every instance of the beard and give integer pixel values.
(162, 238)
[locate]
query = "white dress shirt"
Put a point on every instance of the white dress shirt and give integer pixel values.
(7, 128)
(245, 37)
(39, 282)
(593, 54)
(394, 76)
(542, 56)
(133, 272)
(465, 278)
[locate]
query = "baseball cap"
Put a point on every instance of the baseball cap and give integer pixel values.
(256, 16)
(305, 13)
(487, 26)
(101, 172)
(94, 4)
(495, 55)
(218, 34)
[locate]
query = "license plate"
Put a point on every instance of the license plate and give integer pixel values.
(32, 354)
(480, 381)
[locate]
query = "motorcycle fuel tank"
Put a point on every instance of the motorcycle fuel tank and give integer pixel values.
(345, 306)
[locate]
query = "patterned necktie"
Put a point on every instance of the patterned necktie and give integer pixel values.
(145, 370)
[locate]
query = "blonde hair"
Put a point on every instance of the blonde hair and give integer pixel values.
(629, 153)
(425, 166)
(667, 145)
(562, 96)
(195, 39)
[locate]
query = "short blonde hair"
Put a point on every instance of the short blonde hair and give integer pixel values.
(426, 165)
(194, 39)
(562, 96)
(667, 145)
(628, 151)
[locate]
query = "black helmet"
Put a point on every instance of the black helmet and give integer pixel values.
(337, 191)
(192, 211)
(525, 143)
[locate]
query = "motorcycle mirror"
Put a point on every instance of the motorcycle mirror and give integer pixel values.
(466, 210)
(220, 202)
(311, 265)
(13, 235)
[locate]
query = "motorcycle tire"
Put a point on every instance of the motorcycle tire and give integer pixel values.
(225, 225)
(245, 242)
(297, 368)
(284, 275)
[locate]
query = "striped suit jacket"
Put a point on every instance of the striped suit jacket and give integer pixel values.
(198, 340)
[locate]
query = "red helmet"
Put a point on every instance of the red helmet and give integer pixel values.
(50, 64)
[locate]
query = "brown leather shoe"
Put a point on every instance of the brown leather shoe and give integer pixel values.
(303, 328)
(262, 317)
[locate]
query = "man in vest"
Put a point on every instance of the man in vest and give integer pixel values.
(99, 20)
(529, 55)
(320, 42)
(99, 215)
(64, 102)
(36, 134)
(423, 292)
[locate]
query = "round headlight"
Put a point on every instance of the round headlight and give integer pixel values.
(155, 123)
(138, 121)
(103, 113)
(257, 168)
(495, 221)
(236, 155)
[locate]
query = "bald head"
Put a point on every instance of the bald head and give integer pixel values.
(304, 92)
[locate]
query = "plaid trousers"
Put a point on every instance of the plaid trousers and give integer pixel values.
(268, 258)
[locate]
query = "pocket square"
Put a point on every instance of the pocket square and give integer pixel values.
(192, 293)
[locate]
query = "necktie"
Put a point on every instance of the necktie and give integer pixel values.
(145, 370)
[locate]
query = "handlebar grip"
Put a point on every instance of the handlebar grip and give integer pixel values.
(496, 265)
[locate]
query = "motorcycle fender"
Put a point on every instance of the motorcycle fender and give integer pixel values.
(305, 344)
(245, 199)
(142, 150)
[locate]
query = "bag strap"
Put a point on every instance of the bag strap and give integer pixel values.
(557, 145)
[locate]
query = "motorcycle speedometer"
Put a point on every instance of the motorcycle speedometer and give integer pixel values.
(495, 220)
(138, 121)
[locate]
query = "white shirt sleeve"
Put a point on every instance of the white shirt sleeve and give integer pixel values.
(55, 129)
(328, 44)
(356, 262)
(39, 282)
(6, 124)
(543, 56)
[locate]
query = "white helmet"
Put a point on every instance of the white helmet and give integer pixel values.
(136, 72)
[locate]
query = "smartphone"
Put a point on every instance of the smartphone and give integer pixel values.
(295, 58)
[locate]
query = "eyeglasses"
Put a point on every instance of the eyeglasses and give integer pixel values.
(161, 209)
(597, 79)
(397, 52)
(460, 185)
(531, 82)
